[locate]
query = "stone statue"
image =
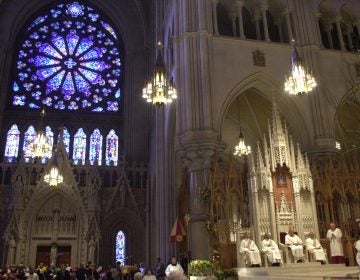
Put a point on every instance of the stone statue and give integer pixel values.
(18, 187)
(11, 251)
(91, 249)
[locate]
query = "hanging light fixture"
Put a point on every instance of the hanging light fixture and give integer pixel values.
(241, 149)
(300, 81)
(53, 178)
(40, 147)
(159, 90)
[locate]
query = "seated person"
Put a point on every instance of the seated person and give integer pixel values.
(315, 248)
(271, 250)
(250, 249)
(295, 244)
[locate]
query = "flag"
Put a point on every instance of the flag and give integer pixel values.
(177, 233)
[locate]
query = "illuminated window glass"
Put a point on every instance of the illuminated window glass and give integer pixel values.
(69, 59)
(95, 152)
(66, 139)
(112, 148)
(29, 137)
(49, 139)
(120, 247)
(79, 149)
(12, 143)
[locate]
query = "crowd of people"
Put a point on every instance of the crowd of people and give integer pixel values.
(296, 247)
(172, 270)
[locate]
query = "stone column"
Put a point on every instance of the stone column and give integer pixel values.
(274, 232)
(279, 26)
(233, 23)
(358, 26)
(257, 25)
(297, 208)
(348, 34)
(339, 32)
(318, 31)
(329, 27)
(288, 24)
(214, 14)
(264, 8)
(313, 203)
(240, 5)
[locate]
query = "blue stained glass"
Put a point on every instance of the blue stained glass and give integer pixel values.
(47, 72)
(84, 45)
(118, 93)
(55, 82)
(68, 85)
(79, 149)
(95, 65)
(49, 50)
(81, 84)
(66, 139)
(44, 61)
(50, 139)
(92, 54)
(34, 106)
(112, 148)
(95, 151)
(93, 77)
(29, 137)
(120, 247)
(12, 143)
(72, 39)
(59, 42)
(64, 62)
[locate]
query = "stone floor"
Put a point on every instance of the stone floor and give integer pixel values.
(308, 271)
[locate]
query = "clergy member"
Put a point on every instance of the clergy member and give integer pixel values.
(295, 244)
(174, 269)
(271, 250)
(357, 247)
(251, 251)
(334, 234)
(315, 248)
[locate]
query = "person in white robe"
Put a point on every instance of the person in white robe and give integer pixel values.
(295, 244)
(334, 235)
(357, 247)
(251, 251)
(174, 269)
(271, 250)
(314, 247)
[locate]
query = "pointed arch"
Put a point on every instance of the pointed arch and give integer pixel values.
(112, 148)
(95, 150)
(12, 143)
(79, 149)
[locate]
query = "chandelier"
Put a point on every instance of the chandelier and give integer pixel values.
(53, 178)
(40, 147)
(300, 81)
(159, 90)
(241, 149)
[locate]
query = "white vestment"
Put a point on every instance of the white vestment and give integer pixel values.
(335, 242)
(271, 250)
(315, 248)
(357, 247)
(295, 244)
(174, 270)
(251, 251)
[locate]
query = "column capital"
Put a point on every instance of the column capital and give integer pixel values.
(339, 19)
(264, 7)
(233, 15)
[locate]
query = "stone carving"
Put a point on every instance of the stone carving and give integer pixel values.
(91, 249)
(11, 250)
(259, 58)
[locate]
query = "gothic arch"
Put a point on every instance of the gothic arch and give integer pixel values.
(269, 89)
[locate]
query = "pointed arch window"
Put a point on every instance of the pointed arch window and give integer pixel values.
(12, 143)
(79, 149)
(95, 151)
(29, 136)
(68, 59)
(120, 243)
(49, 139)
(66, 139)
(112, 148)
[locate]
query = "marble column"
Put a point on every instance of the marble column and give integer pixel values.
(240, 5)
(288, 24)
(318, 31)
(233, 23)
(329, 27)
(214, 14)
(339, 32)
(264, 9)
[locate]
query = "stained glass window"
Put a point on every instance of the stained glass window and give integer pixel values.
(120, 247)
(30, 135)
(66, 139)
(12, 143)
(95, 152)
(112, 148)
(50, 139)
(79, 149)
(69, 59)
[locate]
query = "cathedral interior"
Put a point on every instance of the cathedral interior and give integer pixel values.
(121, 166)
